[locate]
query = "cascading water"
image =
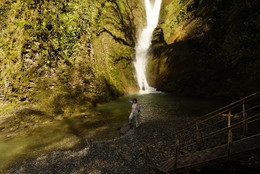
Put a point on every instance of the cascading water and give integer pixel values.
(144, 42)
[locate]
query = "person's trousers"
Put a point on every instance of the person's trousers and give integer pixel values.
(136, 118)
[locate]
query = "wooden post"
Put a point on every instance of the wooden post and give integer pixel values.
(149, 158)
(244, 120)
(177, 146)
(198, 136)
(229, 133)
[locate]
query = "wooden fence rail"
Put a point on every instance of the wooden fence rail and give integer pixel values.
(216, 132)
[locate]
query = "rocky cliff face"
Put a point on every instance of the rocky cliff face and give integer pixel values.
(60, 54)
(207, 48)
(64, 54)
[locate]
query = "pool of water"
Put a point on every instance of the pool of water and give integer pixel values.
(74, 130)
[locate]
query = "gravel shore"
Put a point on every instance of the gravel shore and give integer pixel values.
(124, 154)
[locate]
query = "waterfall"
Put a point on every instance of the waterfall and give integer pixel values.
(144, 42)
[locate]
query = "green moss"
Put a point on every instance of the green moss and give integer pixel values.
(6, 108)
(62, 55)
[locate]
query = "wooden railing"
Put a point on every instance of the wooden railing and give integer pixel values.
(235, 122)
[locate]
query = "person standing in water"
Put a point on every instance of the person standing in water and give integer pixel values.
(136, 108)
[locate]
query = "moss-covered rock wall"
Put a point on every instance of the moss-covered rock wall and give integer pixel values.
(207, 48)
(61, 54)
(64, 54)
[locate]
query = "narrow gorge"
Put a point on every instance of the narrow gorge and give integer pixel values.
(86, 52)
(68, 69)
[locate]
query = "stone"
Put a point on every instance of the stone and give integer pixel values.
(124, 128)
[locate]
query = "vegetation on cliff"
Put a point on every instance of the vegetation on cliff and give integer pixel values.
(207, 48)
(62, 53)
(69, 53)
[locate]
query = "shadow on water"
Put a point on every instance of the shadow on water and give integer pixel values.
(73, 131)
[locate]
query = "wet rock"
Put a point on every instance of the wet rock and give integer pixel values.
(124, 129)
